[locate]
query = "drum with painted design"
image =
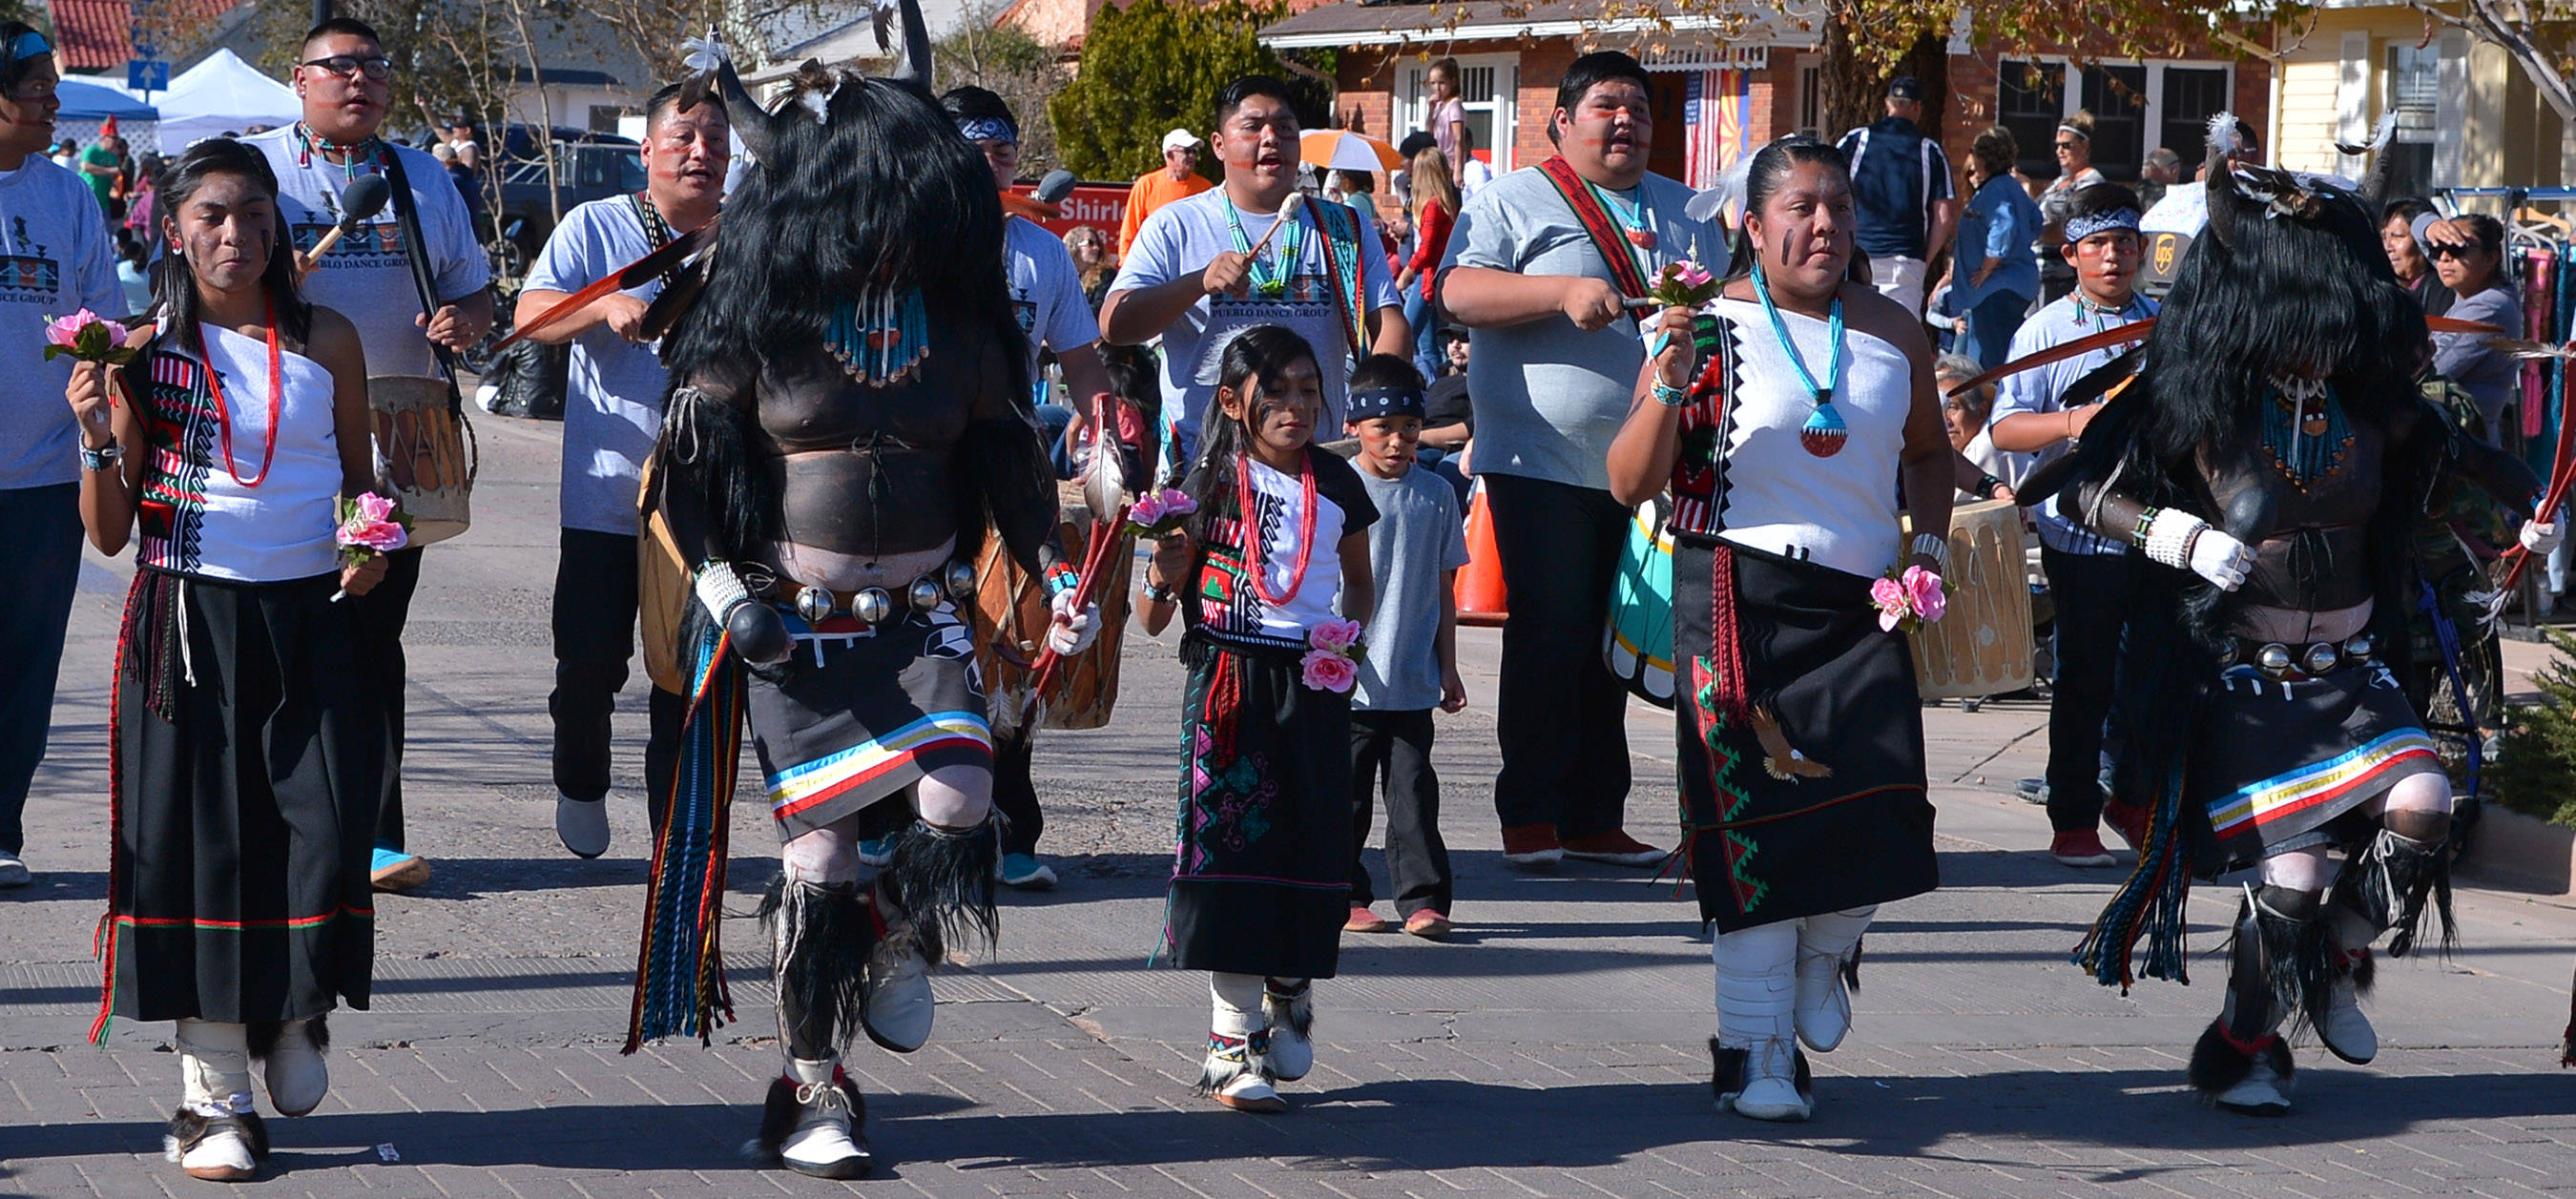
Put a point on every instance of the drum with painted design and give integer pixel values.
(1011, 621)
(1637, 639)
(424, 452)
(1982, 646)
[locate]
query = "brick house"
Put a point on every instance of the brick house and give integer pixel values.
(1725, 83)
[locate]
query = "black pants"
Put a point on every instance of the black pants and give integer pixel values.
(594, 625)
(1015, 794)
(2091, 594)
(1560, 713)
(1397, 747)
(380, 615)
(40, 538)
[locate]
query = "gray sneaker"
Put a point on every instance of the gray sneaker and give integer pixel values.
(13, 873)
(2032, 790)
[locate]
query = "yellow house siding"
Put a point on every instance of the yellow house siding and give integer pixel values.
(2307, 115)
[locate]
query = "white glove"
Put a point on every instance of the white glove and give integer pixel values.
(1071, 632)
(2221, 559)
(2541, 538)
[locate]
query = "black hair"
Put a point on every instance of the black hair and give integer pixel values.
(350, 26)
(1770, 167)
(1235, 93)
(2100, 198)
(658, 103)
(174, 285)
(881, 194)
(12, 67)
(971, 103)
(1593, 70)
(2488, 230)
(1254, 355)
(2403, 210)
(1386, 370)
(1363, 182)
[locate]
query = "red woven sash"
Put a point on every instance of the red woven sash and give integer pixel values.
(1605, 233)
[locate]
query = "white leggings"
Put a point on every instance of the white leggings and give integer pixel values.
(1236, 1000)
(2308, 870)
(951, 797)
(1757, 971)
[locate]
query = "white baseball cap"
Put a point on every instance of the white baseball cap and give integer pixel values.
(1179, 139)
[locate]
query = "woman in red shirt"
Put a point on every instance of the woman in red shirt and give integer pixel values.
(1435, 211)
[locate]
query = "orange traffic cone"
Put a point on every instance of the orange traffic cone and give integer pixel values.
(1480, 582)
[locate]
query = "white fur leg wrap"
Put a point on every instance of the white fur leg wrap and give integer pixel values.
(719, 588)
(2169, 537)
(1757, 984)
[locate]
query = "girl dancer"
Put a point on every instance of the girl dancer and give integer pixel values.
(1261, 875)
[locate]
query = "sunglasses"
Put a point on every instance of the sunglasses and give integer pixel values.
(351, 66)
(2448, 250)
(2068, 145)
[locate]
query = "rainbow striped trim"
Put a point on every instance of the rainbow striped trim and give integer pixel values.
(801, 787)
(2360, 769)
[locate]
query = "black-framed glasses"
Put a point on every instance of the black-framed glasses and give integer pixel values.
(349, 66)
(2451, 250)
(2068, 145)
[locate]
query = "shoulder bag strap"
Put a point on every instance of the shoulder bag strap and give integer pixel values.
(1606, 237)
(1342, 270)
(416, 252)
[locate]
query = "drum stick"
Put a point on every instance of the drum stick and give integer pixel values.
(1095, 556)
(365, 197)
(1287, 212)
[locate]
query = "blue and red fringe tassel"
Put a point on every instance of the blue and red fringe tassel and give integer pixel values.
(679, 971)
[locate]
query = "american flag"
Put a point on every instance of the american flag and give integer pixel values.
(1718, 113)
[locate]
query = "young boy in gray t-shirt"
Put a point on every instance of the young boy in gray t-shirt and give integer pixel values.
(1415, 549)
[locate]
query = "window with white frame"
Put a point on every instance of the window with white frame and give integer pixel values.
(1487, 84)
(1811, 99)
(2414, 89)
(2131, 103)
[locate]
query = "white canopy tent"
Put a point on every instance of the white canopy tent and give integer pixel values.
(220, 95)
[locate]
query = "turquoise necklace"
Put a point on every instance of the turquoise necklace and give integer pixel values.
(880, 338)
(1269, 280)
(1824, 432)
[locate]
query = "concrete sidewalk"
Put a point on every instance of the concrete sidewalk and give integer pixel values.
(1555, 1045)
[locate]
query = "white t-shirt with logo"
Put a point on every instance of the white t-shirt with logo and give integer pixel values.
(1182, 237)
(1046, 291)
(55, 259)
(365, 276)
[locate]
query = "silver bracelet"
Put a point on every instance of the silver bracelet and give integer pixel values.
(719, 588)
(1935, 547)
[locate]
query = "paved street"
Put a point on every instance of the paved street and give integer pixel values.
(1554, 1046)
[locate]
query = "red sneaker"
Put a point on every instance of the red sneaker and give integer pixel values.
(1429, 922)
(1365, 921)
(1531, 846)
(2081, 847)
(2128, 822)
(1615, 847)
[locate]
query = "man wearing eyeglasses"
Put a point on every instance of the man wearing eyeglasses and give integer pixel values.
(345, 80)
(1179, 179)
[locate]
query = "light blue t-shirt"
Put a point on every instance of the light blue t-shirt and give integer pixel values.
(55, 259)
(2001, 223)
(613, 404)
(1417, 536)
(2039, 388)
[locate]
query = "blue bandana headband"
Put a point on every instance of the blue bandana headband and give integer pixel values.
(29, 45)
(2080, 227)
(988, 129)
(1369, 403)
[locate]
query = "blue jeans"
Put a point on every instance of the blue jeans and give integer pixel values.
(1991, 325)
(1422, 318)
(1052, 422)
(40, 539)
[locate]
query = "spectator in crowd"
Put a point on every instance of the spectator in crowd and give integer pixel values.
(1966, 414)
(2468, 256)
(1449, 416)
(1556, 362)
(102, 166)
(54, 221)
(67, 155)
(460, 138)
(345, 81)
(1090, 250)
(1435, 210)
(2163, 169)
(1177, 180)
(1359, 190)
(134, 270)
(1448, 119)
(1901, 195)
(1471, 171)
(2185, 206)
(2089, 575)
(2001, 276)
(1192, 277)
(2406, 256)
(2075, 172)
(139, 206)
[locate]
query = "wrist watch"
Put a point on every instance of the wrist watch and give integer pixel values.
(1158, 594)
(103, 458)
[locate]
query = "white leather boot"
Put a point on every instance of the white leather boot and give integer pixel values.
(216, 1134)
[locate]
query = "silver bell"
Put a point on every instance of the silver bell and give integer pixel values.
(2358, 648)
(961, 580)
(815, 605)
(924, 594)
(872, 605)
(2320, 658)
(2274, 659)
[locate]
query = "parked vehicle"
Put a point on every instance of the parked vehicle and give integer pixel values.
(588, 166)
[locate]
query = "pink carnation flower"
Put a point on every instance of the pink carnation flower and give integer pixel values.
(1923, 590)
(1324, 670)
(1335, 636)
(1690, 274)
(1147, 511)
(370, 526)
(1890, 597)
(65, 331)
(1177, 502)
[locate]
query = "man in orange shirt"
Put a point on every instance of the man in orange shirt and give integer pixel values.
(1178, 180)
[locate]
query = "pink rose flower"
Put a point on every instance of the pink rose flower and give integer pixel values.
(1691, 275)
(1335, 636)
(1923, 590)
(1891, 599)
(1147, 511)
(1324, 670)
(86, 336)
(1177, 503)
(370, 525)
